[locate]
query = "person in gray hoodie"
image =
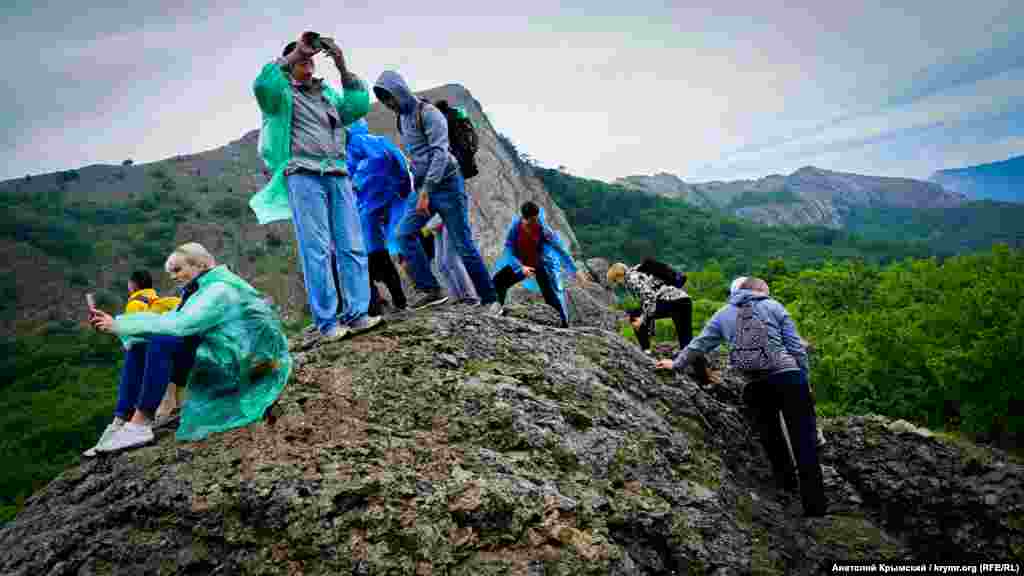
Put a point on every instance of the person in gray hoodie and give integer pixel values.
(780, 388)
(440, 190)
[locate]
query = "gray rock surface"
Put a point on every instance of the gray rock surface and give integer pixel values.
(451, 442)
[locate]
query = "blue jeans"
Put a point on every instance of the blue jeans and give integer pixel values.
(448, 199)
(147, 370)
(324, 212)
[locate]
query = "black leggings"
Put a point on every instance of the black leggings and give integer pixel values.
(507, 278)
(787, 392)
(382, 269)
(681, 313)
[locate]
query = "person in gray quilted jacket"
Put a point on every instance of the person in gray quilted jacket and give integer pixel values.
(783, 388)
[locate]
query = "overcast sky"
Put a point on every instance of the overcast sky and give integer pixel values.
(705, 90)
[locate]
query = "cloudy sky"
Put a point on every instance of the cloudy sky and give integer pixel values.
(705, 90)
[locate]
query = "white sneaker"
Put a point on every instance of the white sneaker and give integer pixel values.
(821, 438)
(129, 436)
(107, 433)
(495, 309)
(337, 333)
(363, 324)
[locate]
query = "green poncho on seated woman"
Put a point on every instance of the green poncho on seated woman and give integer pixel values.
(242, 361)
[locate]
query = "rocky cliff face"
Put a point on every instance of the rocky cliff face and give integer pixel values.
(449, 442)
(504, 182)
(809, 196)
(215, 186)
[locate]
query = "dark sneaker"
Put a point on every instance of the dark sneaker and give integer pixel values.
(429, 298)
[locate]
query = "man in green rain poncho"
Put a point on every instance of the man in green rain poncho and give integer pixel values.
(241, 362)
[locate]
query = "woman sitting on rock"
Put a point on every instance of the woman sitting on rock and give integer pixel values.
(241, 361)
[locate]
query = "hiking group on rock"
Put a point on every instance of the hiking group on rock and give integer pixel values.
(355, 199)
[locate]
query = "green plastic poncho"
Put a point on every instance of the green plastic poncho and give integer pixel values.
(273, 91)
(242, 362)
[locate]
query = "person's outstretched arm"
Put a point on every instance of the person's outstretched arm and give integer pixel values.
(203, 311)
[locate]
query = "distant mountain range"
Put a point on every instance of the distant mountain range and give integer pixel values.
(809, 196)
(995, 181)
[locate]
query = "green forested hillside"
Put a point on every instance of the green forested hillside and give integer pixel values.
(937, 342)
(947, 231)
(620, 224)
(58, 390)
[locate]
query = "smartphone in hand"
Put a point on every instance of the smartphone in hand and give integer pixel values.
(90, 300)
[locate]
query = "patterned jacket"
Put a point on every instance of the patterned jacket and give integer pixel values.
(650, 290)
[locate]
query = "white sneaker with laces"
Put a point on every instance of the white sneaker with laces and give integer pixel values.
(129, 436)
(107, 433)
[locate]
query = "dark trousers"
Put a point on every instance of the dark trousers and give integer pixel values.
(507, 278)
(148, 368)
(681, 313)
(382, 269)
(788, 392)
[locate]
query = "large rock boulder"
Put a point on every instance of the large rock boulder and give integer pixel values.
(451, 442)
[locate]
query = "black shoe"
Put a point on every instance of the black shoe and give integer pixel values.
(429, 298)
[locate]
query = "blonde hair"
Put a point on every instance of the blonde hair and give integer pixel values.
(616, 272)
(193, 254)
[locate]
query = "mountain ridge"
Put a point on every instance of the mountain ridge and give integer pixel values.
(808, 196)
(1003, 180)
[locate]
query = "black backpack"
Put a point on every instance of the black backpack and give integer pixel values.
(663, 272)
(462, 137)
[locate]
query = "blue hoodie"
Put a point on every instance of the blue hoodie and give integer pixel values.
(721, 327)
(380, 174)
(427, 147)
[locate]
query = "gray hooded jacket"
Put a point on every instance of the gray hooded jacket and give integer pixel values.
(427, 148)
(721, 327)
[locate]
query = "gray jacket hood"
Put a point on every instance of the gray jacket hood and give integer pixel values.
(741, 297)
(393, 83)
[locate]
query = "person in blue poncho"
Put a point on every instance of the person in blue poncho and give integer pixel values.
(534, 253)
(381, 178)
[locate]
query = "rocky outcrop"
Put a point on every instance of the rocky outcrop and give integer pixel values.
(809, 196)
(451, 442)
(504, 182)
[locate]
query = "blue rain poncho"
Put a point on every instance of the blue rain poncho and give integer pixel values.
(242, 362)
(380, 175)
(554, 257)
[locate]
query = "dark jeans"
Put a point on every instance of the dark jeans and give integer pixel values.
(507, 278)
(788, 392)
(148, 367)
(681, 313)
(382, 269)
(450, 201)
